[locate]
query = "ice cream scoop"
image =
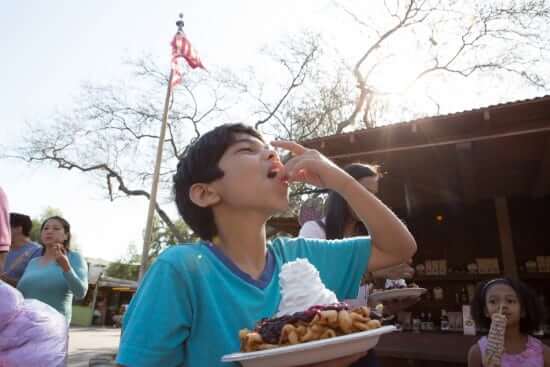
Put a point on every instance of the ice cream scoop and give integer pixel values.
(302, 287)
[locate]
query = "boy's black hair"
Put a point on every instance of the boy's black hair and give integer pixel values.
(23, 221)
(531, 310)
(199, 164)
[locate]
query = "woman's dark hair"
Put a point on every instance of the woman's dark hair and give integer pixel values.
(531, 310)
(66, 228)
(23, 221)
(337, 210)
(199, 164)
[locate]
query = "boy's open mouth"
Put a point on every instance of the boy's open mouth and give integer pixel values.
(275, 171)
(272, 173)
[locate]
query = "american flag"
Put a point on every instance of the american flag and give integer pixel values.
(181, 47)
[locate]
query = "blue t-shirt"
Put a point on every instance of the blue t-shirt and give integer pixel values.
(193, 300)
(18, 258)
(50, 284)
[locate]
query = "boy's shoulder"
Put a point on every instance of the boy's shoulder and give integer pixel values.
(182, 253)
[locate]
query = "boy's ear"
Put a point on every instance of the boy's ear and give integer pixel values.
(203, 195)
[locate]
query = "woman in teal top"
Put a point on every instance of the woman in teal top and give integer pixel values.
(59, 274)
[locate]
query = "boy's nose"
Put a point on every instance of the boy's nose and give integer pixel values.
(272, 155)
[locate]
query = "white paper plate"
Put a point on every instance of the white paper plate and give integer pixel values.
(396, 293)
(311, 352)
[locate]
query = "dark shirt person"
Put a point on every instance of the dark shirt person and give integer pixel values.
(22, 249)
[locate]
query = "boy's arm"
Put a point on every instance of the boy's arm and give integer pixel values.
(546, 354)
(392, 242)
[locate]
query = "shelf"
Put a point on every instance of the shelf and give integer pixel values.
(534, 276)
(455, 277)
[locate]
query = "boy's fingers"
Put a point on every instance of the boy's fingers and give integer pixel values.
(290, 146)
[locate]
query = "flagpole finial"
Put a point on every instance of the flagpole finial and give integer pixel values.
(180, 23)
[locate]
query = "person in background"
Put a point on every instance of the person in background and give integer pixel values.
(59, 275)
(5, 236)
(523, 316)
(341, 222)
(31, 332)
(22, 248)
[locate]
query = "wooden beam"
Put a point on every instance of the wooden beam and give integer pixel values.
(466, 171)
(506, 242)
(361, 155)
(541, 184)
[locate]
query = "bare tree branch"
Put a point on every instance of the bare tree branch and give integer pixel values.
(297, 80)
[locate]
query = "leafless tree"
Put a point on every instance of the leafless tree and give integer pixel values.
(113, 131)
(464, 38)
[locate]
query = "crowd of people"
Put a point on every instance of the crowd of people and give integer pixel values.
(38, 282)
(194, 299)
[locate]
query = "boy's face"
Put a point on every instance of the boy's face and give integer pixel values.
(253, 177)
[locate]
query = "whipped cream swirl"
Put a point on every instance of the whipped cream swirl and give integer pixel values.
(301, 288)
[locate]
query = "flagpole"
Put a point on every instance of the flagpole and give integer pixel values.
(154, 186)
(156, 174)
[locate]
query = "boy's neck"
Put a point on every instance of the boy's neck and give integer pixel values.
(242, 239)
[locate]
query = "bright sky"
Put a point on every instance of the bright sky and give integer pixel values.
(50, 48)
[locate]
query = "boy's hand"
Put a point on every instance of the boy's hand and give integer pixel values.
(310, 166)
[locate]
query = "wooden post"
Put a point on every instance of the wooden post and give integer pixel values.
(506, 242)
(154, 186)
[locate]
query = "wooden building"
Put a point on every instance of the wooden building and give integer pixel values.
(470, 185)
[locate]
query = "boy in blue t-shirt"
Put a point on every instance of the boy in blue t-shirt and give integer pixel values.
(195, 298)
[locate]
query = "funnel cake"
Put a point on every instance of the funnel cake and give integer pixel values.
(316, 323)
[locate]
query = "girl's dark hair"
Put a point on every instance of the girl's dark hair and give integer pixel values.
(531, 310)
(337, 211)
(199, 164)
(66, 228)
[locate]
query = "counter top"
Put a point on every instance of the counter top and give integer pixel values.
(432, 346)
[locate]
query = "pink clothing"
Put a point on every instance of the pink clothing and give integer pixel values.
(31, 332)
(5, 236)
(532, 356)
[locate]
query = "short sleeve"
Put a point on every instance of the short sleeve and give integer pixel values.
(312, 229)
(341, 263)
(158, 319)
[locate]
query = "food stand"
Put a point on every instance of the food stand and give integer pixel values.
(474, 189)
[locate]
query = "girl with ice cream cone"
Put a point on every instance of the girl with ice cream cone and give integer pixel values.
(509, 309)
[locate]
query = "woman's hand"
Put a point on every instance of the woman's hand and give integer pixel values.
(311, 167)
(61, 257)
(340, 362)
